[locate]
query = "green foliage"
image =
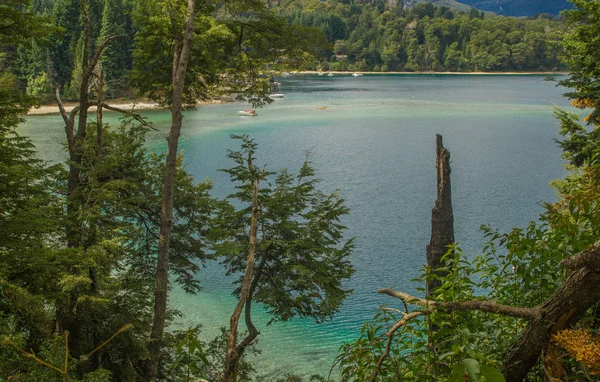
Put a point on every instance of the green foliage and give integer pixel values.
(301, 257)
(119, 203)
(231, 46)
(18, 23)
(187, 357)
(117, 19)
(468, 344)
(40, 88)
(581, 50)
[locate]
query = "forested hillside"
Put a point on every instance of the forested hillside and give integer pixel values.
(363, 35)
(371, 35)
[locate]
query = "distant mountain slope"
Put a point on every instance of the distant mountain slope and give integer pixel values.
(520, 7)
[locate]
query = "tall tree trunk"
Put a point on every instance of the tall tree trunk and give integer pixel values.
(233, 351)
(75, 138)
(181, 57)
(442, 218)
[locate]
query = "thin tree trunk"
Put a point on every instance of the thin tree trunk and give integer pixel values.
(180, 64)
(442, 218)
(252, 331)
(233, 354)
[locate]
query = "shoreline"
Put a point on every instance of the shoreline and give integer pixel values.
(49, 109)
(433, 73)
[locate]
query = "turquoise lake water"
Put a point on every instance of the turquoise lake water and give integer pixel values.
(375, 142)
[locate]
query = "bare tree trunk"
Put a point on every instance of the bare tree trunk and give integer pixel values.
(233, 351)
(442, 218)
(180, 63)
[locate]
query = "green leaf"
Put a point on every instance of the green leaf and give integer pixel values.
(491, 374)
(458, 372)
(472, 367)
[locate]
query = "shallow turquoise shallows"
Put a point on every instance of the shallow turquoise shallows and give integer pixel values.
(375, 141)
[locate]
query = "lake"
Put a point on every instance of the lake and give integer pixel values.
(375, 141)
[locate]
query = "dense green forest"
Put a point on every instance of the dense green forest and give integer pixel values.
(91, 247)
(367, 35)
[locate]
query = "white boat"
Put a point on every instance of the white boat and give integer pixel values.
(248, 113)
(356, 74)
(277, 95)
(330, 75)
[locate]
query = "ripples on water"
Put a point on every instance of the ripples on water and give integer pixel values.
(375, 142)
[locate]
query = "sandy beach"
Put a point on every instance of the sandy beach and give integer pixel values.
(53, 108)
(129, 105)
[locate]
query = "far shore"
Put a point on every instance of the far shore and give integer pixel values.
(148, 105)
(432, 73)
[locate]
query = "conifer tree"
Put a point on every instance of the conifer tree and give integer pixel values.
(286, 244)
(116, 59)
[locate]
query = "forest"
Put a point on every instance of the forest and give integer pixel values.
(90, 248)
(371, 36)
(361, 36)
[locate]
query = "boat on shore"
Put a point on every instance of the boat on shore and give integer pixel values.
(248, 113)
(277, 95)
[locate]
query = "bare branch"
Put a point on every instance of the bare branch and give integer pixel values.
(394, 310)
(138, 117)
(121, 330)
(33, 356)
(73, 113)
(61, 107)
(589, 258)
(69, 123)
(98, 53)
(484, 306)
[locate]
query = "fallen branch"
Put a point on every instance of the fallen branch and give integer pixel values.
(450, 306)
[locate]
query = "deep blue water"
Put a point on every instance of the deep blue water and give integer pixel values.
(375, 142)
